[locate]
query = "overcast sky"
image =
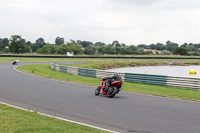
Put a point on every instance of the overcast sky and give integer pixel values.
(128, 21)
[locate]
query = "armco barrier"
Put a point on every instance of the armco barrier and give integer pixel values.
(63, 69)
(193, 83)
(184, 82)
(72, 70)
(147, 79)
(87, 72)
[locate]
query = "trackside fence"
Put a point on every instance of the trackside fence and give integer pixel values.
(184, 82)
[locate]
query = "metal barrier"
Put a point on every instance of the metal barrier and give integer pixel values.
(63, 69)
(87, 72)
(184, 82)
(146, 78)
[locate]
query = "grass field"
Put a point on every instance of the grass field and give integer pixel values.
(26, 59)
(18, 121)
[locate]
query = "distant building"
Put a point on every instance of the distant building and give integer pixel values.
(70, 54)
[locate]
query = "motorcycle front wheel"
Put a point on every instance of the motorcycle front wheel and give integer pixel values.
(112, 91)
(97, 91)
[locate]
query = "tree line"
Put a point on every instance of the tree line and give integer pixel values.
(16, 44)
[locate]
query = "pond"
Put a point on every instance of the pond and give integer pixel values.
(179, 71)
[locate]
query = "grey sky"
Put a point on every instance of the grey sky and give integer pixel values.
(128, 21)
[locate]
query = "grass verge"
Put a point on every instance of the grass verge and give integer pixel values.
(18, 121)
(44, 70)
(27, 59)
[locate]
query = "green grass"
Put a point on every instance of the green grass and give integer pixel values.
(26, 59)
(18, 121)
(44, 70)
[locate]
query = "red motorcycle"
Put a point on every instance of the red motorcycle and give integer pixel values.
(112, 90)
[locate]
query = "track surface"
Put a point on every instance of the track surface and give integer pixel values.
(126, 112)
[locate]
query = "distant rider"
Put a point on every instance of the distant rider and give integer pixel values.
(15, 62)
(114, 78)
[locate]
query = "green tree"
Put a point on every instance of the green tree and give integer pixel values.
(99, 44)
(190, 48)
(171, 46)
(101, 50)
(59, 41)
(152, 46)
(180, 51)
(27, 49)
(2, 46)
(143, 46)
(121, 50)
(115, 44)
(48, 49)
(62, 49)
(123, 45)
(110, 50)
(196, 51)
(75, 48)
(132, 50)
(185, 45)
(40, 42)
(18, 45)
(164, 47)
(90, 50)
(34, 47)
(5, 41)
(159, 46)
(84, 43)
(141, 51)
(28, 43)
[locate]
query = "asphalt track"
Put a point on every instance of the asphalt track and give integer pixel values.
(126, 112)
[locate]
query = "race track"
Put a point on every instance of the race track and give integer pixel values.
(127, 112)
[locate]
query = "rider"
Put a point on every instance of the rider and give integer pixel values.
(116, 77)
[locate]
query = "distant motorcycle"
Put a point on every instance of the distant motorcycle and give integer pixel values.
(15, 62)
(114, 88)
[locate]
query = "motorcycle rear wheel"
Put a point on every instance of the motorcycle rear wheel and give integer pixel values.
(97, 91)
(112, 91)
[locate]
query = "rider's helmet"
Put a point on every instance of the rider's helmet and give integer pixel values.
(116, 74)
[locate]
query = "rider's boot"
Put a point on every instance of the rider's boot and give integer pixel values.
(98, 89)
(106, 87)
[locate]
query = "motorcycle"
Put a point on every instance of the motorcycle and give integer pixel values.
(15, 62)
(112, 90)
